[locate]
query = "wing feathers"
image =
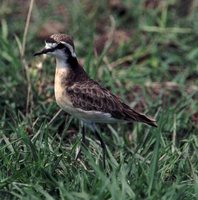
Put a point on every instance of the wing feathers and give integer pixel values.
(90, 96)
(139, 117)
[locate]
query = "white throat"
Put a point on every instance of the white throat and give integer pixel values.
(62, 63)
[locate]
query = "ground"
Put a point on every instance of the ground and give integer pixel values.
(144, 51)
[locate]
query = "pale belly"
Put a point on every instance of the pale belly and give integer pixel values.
(63, 100)
(89, 116)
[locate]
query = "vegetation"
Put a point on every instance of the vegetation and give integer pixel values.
(144, 51)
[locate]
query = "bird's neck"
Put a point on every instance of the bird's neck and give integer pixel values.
(66, 62)
(68, 70)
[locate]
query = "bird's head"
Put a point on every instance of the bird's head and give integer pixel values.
(59, 45)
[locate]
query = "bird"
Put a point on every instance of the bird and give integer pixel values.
(82, 97)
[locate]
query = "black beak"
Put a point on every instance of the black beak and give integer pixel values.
(43, 51)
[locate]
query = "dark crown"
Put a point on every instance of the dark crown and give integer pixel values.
(58, 37)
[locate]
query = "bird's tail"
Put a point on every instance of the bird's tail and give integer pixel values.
(133, 115)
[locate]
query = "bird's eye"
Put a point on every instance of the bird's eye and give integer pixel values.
(50, 40)
(60, 46)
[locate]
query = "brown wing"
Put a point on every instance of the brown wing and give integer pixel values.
(90, 96)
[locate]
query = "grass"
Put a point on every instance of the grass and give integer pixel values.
(154, 70)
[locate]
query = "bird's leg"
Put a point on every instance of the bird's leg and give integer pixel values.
(83, 136)
(103, 147)
(83, 141)
(102, 143)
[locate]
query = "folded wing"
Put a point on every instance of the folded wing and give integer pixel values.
(90, 96)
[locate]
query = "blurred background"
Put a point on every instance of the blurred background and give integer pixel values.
(145, 51)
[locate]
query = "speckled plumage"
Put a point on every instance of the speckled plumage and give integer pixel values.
(57, 37)
(83, 97)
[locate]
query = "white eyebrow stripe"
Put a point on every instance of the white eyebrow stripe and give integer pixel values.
(69, 47)
(50, 45)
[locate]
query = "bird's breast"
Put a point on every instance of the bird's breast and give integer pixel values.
(61, 95)
(64, 101)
